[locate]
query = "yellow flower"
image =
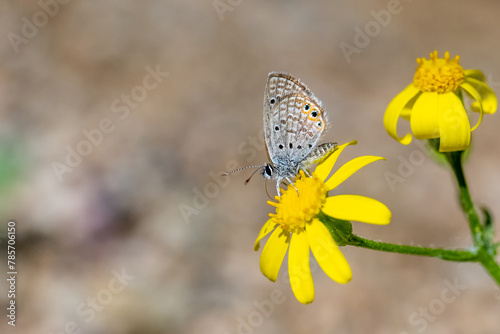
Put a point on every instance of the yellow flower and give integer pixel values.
(296, 225)
(434, 105)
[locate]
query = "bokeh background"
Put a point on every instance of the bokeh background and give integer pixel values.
(146, 202)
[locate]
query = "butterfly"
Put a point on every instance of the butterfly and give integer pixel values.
(294, 121)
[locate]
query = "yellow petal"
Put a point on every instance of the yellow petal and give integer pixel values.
(486, 95)
(424, 116)
(454, 125)
(348, 169)
(324, 168)
(273, 253)
(327, 253)
(394, 110)
(475, 95)
(475, 74)
(268, 227)
(299, 269)
(406, 112)
(357, 208)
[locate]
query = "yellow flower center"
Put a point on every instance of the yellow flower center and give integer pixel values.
(294, 210)
(442, 75)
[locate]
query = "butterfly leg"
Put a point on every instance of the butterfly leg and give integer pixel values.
(278, 189)
(306, 172)
(290, 181)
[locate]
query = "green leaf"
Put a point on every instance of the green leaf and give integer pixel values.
(487, 217)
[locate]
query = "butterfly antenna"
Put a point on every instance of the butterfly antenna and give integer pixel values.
(255, 171)
(237, 170)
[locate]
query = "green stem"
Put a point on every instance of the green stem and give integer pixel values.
(488, 262)
(481, 234)
(459, 255)
(455, 161)
(341, 231)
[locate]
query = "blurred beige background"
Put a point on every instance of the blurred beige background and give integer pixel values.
(120, 240)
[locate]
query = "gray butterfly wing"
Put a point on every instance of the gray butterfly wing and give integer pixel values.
(280, 84)
(286, 122)
(294, 127)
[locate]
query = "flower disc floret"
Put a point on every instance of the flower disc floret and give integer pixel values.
(441, 75)
(300, 206)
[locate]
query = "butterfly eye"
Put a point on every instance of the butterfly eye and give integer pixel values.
(319, 125)
(314, 113)
(268, 170)
(272, 100)
(307, 107)
(276, 128)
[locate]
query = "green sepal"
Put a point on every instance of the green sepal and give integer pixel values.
(341, 230)
(432, 146)
(441, 158)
